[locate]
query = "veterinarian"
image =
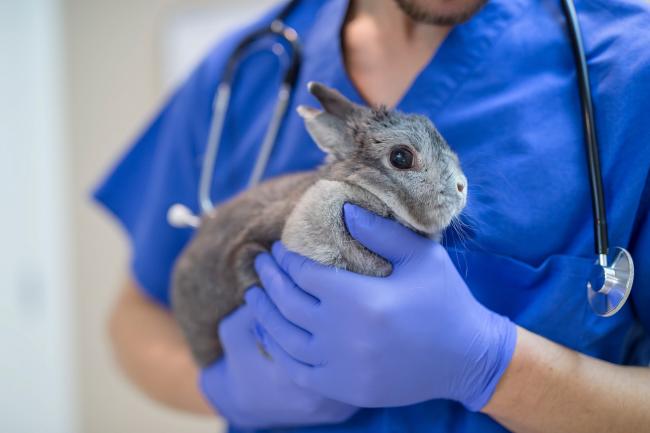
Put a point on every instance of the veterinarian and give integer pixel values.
(491, 332)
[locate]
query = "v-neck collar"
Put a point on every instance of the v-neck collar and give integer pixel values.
(323, 58)
(460, 54)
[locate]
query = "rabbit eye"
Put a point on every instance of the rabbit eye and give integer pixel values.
(401, 158)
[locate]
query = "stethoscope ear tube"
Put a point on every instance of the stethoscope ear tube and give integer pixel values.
(179, 215)
(222, 102)
(271, 133)
(220, 108)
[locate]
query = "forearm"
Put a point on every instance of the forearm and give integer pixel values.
(548, 387)
(151, 350)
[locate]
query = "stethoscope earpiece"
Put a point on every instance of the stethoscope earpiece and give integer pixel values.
(180, 216)
(610, 285)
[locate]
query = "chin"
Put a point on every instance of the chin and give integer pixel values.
(428, 229)
(441, 12)
(437, 229)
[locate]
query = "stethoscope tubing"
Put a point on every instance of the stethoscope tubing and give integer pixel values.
(220, 109)
(591, 139)
(221, 102)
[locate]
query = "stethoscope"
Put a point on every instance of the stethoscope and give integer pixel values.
(610, 282)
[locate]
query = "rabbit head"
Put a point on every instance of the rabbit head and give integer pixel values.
(400, 158)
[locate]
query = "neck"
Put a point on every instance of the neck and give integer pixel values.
(393, 24)
(385, 50)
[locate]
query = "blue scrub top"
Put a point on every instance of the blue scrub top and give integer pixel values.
(502, 90)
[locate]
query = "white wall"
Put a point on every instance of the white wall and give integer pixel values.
(78, 79)
(36, 364)
(122, 56)
(188, 33)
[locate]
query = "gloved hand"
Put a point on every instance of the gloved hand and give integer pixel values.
(251, 391)
(415, 335)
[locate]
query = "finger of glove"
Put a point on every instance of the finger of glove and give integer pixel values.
(317, 280)
(213, 383)
(385, 237)
(299, 372)
(294, 304)
(236, 329)
(294, 340)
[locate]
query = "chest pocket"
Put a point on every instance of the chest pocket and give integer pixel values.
(549, 299)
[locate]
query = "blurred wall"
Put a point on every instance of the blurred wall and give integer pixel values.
(115, 80)
(37, 371)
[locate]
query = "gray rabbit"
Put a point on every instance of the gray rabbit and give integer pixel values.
(393, 164)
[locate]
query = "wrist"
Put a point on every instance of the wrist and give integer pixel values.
(518, 382)
(493, 361)
(526, 375)
(210, 378)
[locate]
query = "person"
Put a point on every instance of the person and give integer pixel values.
(490, 330)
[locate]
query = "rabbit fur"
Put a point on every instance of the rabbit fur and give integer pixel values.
(304, 210)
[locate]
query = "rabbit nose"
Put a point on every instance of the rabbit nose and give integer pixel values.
(460, 187)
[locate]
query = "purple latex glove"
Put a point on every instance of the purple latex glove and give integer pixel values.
(251, 391)
(415, 335)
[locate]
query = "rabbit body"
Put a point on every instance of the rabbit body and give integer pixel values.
(303, 210)
(393, 164)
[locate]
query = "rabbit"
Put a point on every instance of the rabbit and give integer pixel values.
(394, 164)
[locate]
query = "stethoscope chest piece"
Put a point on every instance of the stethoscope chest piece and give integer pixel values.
(610, 285)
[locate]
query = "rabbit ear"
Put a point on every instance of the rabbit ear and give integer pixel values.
(329, 132)
(332, 101)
